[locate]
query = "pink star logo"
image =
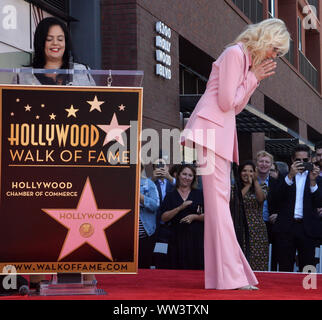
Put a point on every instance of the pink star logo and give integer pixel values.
(86, 223)
(114, 131)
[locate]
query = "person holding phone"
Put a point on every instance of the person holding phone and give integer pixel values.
(297, 226)
(165, 183)
(254, 194)
(162, 177)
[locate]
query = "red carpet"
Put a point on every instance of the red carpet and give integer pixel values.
(188, 285)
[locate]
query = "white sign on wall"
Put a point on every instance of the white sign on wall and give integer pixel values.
(15, 23)
(163, 50)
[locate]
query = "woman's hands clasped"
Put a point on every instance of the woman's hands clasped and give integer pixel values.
(264, 70)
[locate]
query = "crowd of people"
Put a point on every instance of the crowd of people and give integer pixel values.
(271, 203)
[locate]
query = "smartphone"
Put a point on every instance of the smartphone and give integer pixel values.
(160, 165)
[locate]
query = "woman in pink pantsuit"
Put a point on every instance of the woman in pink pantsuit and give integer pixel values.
(234, 77)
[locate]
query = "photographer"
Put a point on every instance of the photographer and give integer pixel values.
(297, 226)
(162, 178)
(165, 183)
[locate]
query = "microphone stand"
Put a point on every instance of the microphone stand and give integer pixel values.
(70, 69)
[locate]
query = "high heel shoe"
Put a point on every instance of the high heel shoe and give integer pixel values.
(248, 287)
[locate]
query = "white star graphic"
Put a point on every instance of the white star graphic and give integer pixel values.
(28, 107)
(95, 104)
(52, 116)
(71, 111)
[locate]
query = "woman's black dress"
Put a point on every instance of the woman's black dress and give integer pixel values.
(186, 243)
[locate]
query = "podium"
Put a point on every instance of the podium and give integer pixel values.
(70, 175)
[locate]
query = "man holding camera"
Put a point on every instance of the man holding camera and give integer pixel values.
(298, 226)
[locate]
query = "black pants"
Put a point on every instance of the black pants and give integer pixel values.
(272, 241)
(146, 246)
(287, 243)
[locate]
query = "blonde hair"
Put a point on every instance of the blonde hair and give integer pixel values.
(260, 37)
(264, 153)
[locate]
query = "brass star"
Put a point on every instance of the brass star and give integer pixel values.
(52, 116)
(71, 111)
(95, 104)
(28, 107)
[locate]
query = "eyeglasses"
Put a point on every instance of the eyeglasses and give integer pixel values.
(278, 52)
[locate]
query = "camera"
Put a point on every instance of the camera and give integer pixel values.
(307, 166)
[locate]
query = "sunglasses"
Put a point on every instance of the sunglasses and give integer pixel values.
(302, 160)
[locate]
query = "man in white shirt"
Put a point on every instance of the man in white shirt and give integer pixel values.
(298, 226)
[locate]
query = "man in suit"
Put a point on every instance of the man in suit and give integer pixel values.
(164, 183)
(264, 162)
(297, 226)
(162, 178)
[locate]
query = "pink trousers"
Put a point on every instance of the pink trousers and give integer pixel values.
(225, 264)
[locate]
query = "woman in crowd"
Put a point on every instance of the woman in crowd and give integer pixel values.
(273, 171)
(254, 195)
(238, 212)
(212, 129)
(53, 50)
(149, 205)
(183, 207)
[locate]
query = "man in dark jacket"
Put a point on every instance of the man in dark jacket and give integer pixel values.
(298, 225)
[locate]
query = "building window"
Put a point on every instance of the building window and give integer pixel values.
(62, 5)
(191, 82)
(58, 8)
(271, 8)
(290, 55)
(299, 25)
(253, 9)
(309, 72)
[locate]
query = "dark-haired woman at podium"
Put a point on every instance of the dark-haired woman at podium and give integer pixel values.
(53, 50)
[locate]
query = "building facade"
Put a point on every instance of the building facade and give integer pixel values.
(175, 43)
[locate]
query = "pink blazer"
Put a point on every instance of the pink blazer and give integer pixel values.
(229, 88)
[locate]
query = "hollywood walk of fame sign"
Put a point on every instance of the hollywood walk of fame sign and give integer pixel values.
(69, 178)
